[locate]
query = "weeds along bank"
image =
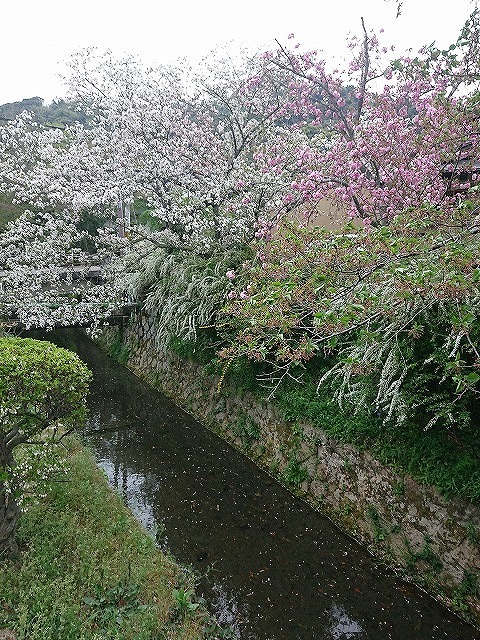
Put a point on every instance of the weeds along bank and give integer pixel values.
(88, 570)
(432, 539)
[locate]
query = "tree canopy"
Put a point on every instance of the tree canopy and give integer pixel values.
(229, 166)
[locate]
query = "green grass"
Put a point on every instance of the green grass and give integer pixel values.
(117, 350)
(88, 571)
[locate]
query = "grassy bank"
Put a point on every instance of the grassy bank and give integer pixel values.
(88, 571)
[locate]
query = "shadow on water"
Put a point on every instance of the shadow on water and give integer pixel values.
(274, 568)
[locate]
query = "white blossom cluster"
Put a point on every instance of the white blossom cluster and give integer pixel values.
(194, 149)
(36, 468)
(42, 274)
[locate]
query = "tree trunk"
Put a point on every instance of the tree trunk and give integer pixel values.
(9, 509)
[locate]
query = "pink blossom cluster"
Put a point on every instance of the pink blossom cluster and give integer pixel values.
(381, 133)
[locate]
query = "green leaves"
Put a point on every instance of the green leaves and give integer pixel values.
(42, 395)
(114, 603)
(184, 605)
(472, 377)
(41, 386)
(382, 302)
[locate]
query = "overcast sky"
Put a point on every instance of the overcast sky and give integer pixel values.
(38, 34)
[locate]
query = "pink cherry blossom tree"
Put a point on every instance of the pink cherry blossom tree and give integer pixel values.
(393, 304)
(382, 134)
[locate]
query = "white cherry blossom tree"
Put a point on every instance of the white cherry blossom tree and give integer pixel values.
(191, 148)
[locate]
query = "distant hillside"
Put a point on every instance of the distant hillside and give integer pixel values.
(59, 113)
(8, 210)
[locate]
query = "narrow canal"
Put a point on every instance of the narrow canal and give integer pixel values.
(274, 568)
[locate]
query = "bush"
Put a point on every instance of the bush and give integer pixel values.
(43, 391)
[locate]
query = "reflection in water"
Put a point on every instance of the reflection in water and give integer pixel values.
(280, 571)
(130, 486)
(343, 627)
(226, 607)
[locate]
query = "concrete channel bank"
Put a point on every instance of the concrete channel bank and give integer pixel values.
(433, 540)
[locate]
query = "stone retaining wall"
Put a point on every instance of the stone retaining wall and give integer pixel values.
(433, 540)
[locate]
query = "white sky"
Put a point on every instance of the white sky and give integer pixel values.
(38, 34)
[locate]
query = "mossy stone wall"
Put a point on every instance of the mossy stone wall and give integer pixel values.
(432, 539)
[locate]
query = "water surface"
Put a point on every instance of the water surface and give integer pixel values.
(275, 569)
